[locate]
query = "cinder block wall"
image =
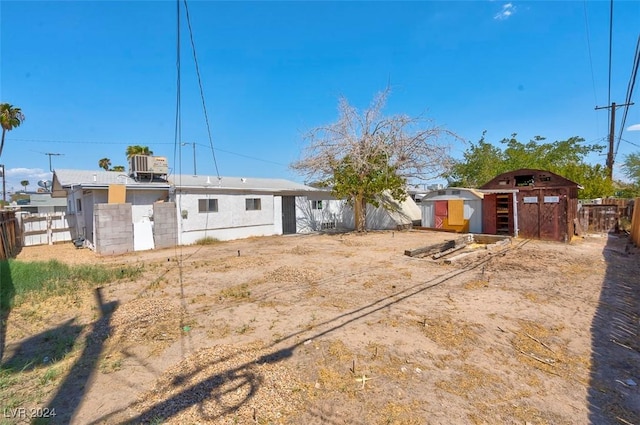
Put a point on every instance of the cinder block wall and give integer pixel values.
(113, 228)
(165, 224)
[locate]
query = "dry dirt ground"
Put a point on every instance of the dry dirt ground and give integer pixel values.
(342, 329)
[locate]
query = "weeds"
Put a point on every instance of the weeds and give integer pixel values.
(53, 278)
(207, 241)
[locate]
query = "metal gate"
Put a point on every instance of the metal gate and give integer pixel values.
(289, 215)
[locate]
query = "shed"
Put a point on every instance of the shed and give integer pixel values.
(455, 208)
(531, 203)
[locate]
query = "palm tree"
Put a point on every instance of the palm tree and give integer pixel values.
(104, 163)
(137, 150)
(118, 168)
(10, 118)
(24, 183)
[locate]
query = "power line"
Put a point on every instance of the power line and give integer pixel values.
(154, 143)
(630, 86)
(593, 79)
(204, 106)
(610, 54)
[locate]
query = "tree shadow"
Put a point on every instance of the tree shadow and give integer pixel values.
(7, 293)
(71, 391)
(613, 394)
(43, 349)
(244, 379)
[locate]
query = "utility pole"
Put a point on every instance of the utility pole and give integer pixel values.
(195, 173)
(612, 128)
(4, 185)
(50, 155)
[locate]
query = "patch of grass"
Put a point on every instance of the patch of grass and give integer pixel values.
(208, 240)
(50, 278)
(50, 375)
(237, 292)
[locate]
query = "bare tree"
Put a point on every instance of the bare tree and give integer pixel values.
(365, 153)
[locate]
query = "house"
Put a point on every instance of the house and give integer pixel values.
(233, 207)
(114, 213)
(454, 208)
(531, 203)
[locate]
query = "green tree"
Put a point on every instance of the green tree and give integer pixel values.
(24, 183)
(137, 150)
(483, 161)
(10, 118)
(631, 167)
(104, 163)
(365, 154)
(118, 168)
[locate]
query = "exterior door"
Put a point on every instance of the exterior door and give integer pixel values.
(489, 214)
(288, 215)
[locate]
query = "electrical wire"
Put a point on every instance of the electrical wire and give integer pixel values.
(630, 86)
(204, 106)
(593, 78)
(610, 58)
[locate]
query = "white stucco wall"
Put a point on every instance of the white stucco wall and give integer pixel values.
(231, 221)
(312, 220)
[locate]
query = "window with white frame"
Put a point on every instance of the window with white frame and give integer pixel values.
(316, 205)
(207, 205)
(253, 204)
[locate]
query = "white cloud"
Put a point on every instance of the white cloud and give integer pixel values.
(635, 127)
(15, 175)
(508, 9)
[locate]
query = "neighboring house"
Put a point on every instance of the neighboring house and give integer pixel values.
(40, 203)
(455, 208)
(325, 212)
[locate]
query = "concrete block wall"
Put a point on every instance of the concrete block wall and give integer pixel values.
(113, 228)
(165, 224)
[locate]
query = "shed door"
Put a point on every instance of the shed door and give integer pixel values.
(489, 214)
(552, 217)
(288, 215)
(528, 215)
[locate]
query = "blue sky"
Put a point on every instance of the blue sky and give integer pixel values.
(95, 77)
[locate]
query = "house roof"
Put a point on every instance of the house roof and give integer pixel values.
(65, 179)
(242, 184)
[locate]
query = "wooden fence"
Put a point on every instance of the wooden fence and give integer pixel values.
(635, 223)
(9, 235)
(45, 229)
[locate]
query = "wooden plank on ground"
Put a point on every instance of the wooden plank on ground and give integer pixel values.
(432, 249)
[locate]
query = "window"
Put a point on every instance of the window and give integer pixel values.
(455, 192)
(316, 205)
(207, 205)
(253, 204)
(79, 205)
(525, 180)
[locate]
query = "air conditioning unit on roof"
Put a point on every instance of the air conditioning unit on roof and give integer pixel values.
(146, 166)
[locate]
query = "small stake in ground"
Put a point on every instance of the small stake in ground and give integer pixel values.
(364, 380)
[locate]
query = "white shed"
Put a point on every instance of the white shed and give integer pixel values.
(453, 208)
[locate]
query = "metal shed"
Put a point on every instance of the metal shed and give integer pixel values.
(532, 203)
(455, 208)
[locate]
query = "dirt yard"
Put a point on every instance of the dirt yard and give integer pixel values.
(341, 329)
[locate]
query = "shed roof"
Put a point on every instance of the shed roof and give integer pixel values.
(541, 178)
(450, 194)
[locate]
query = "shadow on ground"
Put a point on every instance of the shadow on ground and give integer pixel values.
(614, 387)
(7, 292)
